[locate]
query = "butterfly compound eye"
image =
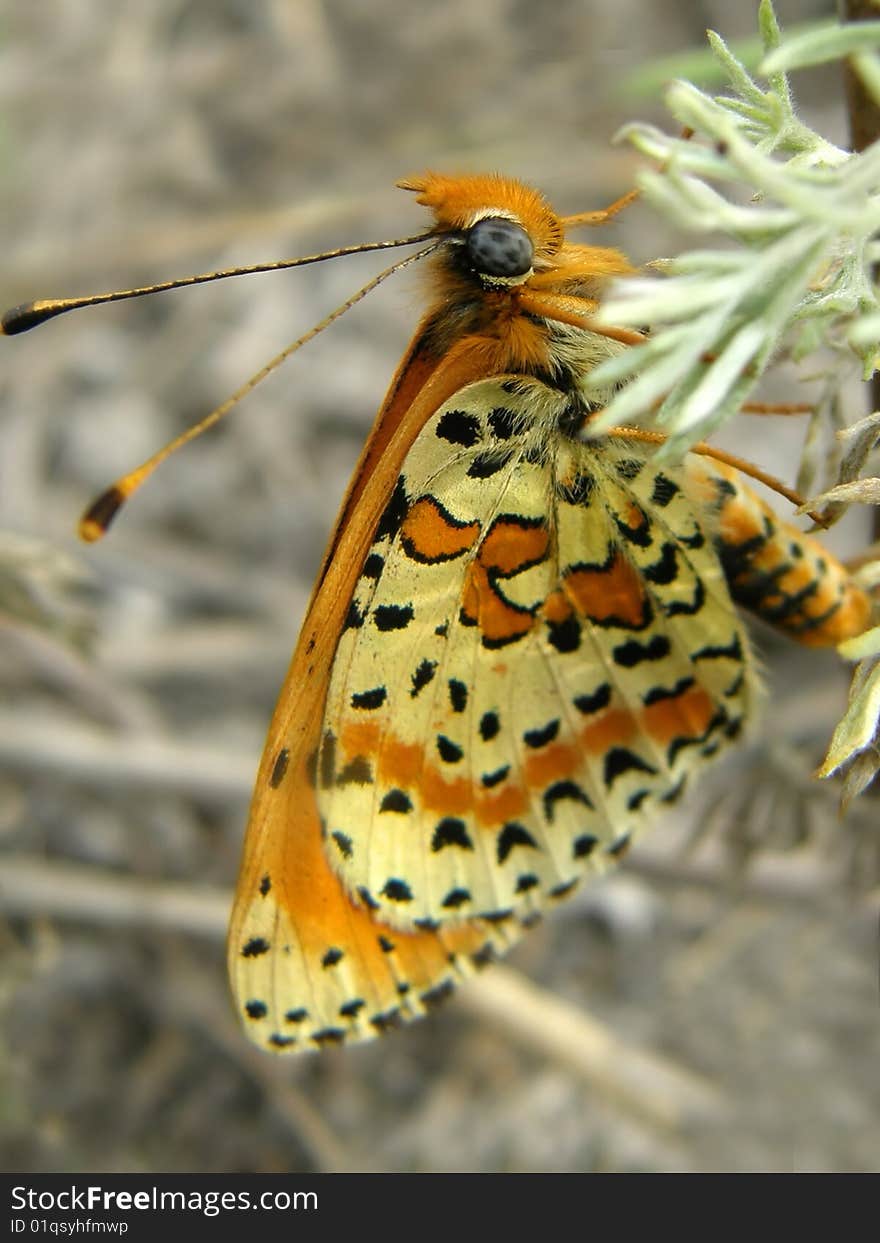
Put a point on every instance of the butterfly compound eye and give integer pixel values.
(500, 247)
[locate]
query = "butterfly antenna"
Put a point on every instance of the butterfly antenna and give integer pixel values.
(29, 314)
(99, 515)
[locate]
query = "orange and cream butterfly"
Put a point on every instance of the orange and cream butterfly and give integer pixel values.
(521, 646)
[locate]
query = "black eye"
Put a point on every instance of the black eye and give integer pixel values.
(499, 247)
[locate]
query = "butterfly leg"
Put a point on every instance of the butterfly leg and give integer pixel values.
(602, 215)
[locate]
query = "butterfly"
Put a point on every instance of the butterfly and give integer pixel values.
(522, 645)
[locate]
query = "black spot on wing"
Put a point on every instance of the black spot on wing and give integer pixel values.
(595, 701)
(485, 465)
(458, 427)
(327, 760)
(436, 996)
(451, 831)
(633, 652)
(328, 1036)
(373, 566)
(387, 1021)
(277, 1041)
(368, 700)
(456, 898)
(279, 768)
(513, 835)
(489, 726)
(540, 737)
(677, 745)
(484, 955)
(565, 635)
(343, 842)
(396, 890)
(675, 793)
(560, 791)
(658, 693)
(496, 917)
(422, 676)
(458, 695)
(356, 772)
(664, 491)
(639, 533)
(450, 752)
(396, 801)
(688, 608)
(354, 618)
(392, 616)
(620, 760)
(504, 423)
(255, 947)
(395, 511)
(367, 898)
(729, 651)
(724, 488)
(665, 569)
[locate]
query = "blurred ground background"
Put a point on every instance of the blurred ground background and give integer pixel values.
(141, 141)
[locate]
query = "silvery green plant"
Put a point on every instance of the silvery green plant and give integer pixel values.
(800, 218)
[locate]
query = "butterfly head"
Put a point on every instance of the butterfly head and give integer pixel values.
(498, 230)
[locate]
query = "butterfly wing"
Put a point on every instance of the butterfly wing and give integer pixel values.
(310, 967)
(308, 964)
(540, 649)
(522, 647)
